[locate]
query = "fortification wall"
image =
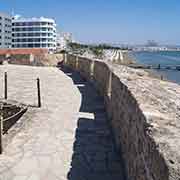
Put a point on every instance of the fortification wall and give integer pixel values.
(32, 59)
(143, 159)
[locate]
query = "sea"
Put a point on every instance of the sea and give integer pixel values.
(164, 58)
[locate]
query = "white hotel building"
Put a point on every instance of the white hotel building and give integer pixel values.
(5, 30)
(34, 33)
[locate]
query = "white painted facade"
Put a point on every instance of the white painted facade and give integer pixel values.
(5, 30)
(34, 33)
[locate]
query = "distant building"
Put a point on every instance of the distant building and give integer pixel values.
(151, 49)
(5, 30)
(34, 33)
(151, 43)
(63, 39)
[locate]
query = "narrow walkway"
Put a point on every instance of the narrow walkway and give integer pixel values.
(94, 156)
(67, 139)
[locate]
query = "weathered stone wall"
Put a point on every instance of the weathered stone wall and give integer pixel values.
(71, 62)
(33, 60)
(22, 59)
(143, 160)
(83, 65)
(47, 59)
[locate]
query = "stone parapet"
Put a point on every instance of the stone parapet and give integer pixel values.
(134, 133)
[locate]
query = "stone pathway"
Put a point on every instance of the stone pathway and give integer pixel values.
(94, 156)
(68, 138)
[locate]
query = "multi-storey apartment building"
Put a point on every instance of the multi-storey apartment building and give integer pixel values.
(5, 30)
(34, 33)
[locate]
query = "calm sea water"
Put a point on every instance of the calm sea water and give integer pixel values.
(163, 58)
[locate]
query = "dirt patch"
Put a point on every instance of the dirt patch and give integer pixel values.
(11, 114)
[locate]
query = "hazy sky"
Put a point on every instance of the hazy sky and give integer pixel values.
(124, 21)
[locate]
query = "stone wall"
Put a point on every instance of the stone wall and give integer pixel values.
(22, 59)
(47, 59)
(83, 65)
(142, 158)
(33, 59)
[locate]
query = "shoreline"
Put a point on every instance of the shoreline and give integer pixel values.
(151, 72)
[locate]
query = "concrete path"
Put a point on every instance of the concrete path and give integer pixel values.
(68, 138)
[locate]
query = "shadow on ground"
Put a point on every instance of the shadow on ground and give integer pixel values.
(94, 156)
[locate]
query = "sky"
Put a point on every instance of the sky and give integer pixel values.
(107, 21)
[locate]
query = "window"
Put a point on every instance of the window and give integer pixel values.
(43, 29)
(43, 45)
(43, 23)
(37, 23)
(37, 34)
(30, 45)
(20, 24)
(37, 45)
(30, 34)
(24, 45)
(17, 29)
(44, 40)
(15, 24)
(7, 19)
(43, 34)
(37, 40)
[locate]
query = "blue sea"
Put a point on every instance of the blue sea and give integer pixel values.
(170, 58)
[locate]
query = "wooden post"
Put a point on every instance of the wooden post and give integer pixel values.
(39, 92)
(5, 85)
(1, 127)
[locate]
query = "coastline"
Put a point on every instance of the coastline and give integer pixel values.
(151, 72)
